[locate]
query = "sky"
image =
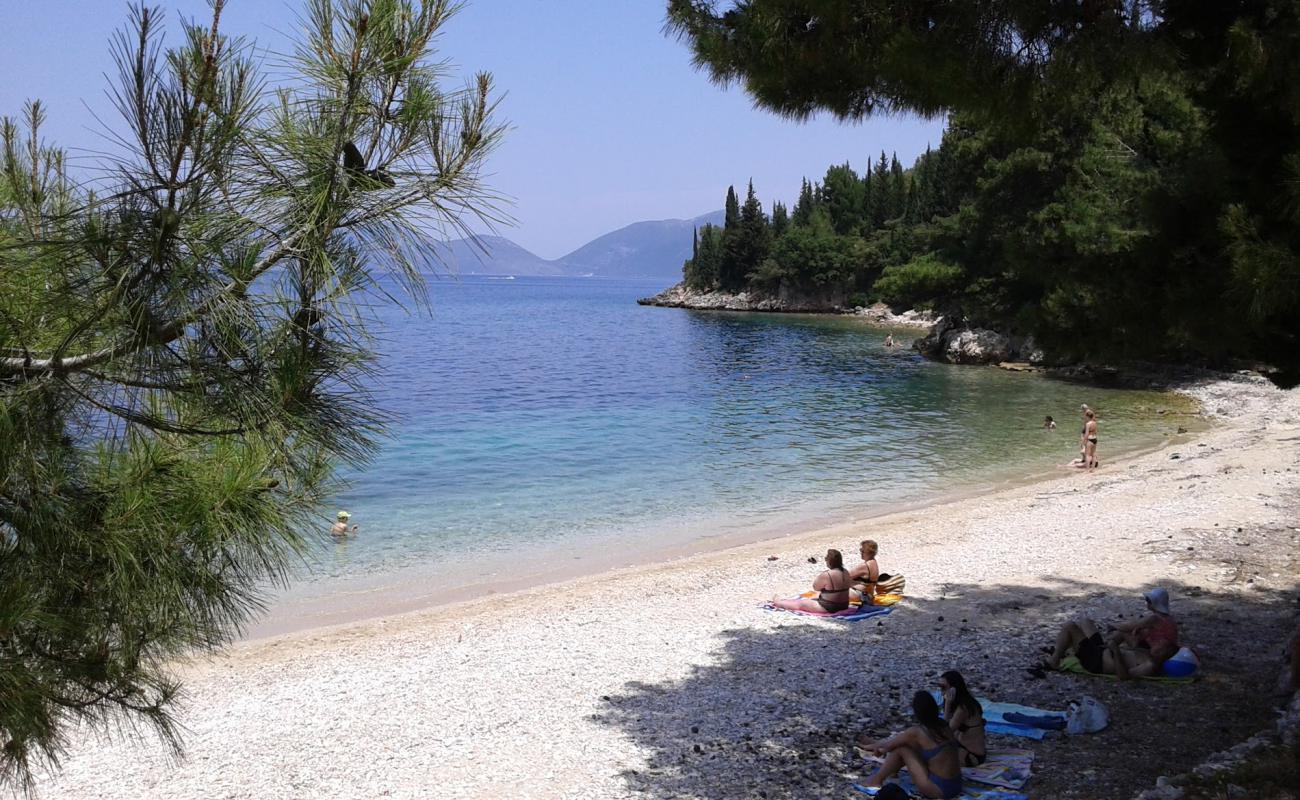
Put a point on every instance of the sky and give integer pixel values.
(610, 123)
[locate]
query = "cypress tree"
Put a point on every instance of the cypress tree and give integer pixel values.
(843, 197)
(731, 268)
(869, 199)
(732, 215)
(882, 191)
(780, 219)
(803, 208)
(898, 185)
(756, 239)
(701, 271)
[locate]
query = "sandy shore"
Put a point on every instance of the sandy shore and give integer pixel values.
(670, 682)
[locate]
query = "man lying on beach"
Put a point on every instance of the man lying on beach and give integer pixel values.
(1134, 650)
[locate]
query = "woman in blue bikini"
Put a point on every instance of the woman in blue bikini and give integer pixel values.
(928, 750)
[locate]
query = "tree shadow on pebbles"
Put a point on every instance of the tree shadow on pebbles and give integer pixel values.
(776, 712)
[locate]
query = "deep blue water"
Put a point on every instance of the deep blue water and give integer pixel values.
(543, 413)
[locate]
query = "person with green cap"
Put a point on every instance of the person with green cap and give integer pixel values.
(340, 529)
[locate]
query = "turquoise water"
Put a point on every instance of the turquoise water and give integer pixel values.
(546, 415)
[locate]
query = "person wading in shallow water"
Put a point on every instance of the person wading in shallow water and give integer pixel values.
(1083, 437)
(340, 529)
(1090, 439)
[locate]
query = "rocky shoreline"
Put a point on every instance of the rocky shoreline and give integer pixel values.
(945, 339)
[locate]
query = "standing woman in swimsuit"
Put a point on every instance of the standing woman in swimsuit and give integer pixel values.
(965, 716)
(832, 587)
(1090, 438)
(928, 750)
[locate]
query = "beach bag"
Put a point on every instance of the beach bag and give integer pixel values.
(1086, 715)
(890, 584)
(1182, 664)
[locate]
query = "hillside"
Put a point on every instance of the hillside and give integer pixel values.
(654, 249)
(642, 250)
(502, 257)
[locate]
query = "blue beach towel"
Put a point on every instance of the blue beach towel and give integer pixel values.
(1006, 768)
(850, 614)
(967, 792)
(1014, 719)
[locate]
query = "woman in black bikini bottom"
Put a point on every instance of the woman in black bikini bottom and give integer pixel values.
(832, 587)
(965, 716)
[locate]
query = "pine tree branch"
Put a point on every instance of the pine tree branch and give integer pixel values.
(169, 332)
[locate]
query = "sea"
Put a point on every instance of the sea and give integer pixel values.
(546, 427)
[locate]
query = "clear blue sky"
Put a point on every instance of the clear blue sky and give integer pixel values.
(611, 123)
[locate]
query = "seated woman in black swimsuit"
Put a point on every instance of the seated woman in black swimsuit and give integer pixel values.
(832, 586)
(965, 716)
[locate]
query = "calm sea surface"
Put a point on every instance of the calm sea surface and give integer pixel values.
(547, 418)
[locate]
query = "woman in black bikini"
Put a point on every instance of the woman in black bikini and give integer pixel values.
(965, 716)
(1090, 439)
(832, 587)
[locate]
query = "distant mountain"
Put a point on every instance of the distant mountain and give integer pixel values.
(503, 257)
(640, 250)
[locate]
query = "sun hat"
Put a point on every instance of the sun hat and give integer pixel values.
(344, 515)
(1159, 599)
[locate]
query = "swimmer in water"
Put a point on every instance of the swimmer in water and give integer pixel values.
(340, 530)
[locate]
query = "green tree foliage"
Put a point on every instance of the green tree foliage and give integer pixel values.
(1120, 179)
(803, 207)
(844, 198)
(182, 354)
(919, 280)
(704, 267)
(780, 219)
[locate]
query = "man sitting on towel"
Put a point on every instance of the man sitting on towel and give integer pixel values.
(1135, 649)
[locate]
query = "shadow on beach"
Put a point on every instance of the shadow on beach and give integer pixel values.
(776, 714)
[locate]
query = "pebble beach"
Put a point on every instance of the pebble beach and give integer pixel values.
(671, 681)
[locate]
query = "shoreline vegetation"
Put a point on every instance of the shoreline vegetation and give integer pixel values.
(668, 680)
(946, 339)
(1138, 205)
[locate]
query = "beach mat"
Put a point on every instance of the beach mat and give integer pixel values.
(1005, 768)
(1071, 664)
(1014, 719)
(967, 792)
(854, 613)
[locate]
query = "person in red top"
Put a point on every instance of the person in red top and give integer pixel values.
(1135, 649)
